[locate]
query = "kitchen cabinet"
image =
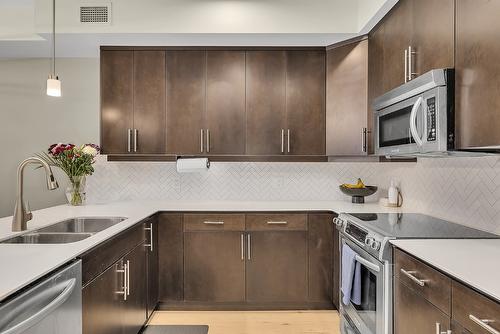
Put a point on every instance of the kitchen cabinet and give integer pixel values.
(320, 257)
(214, 251)
(170, 257)
(477, 70)
(414, 38)
(115, 301)
(151, 227)
(336, 268)
(305, 102)
(276, 269)
(348, 119)
(134, 314)
(428, 301)
(265, 102)
(225, 114)
(132, 102)
(186, 78)
(285, 92)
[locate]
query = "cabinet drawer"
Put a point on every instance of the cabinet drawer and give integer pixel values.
(214, 222)
(101, 257)
(430, 283)
(469, 307)
(277, 221)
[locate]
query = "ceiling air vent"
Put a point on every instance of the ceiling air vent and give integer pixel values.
(95, 14)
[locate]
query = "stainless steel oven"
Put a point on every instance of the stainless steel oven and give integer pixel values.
(373, 314)
(417, 117)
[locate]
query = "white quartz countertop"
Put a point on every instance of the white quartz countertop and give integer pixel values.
(22, 264)
(473, 262)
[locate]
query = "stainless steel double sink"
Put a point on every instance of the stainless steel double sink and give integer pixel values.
(67, 231)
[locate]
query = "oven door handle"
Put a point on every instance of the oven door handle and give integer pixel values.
(413, 121)
(368, 264)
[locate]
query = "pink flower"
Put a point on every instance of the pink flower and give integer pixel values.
(56, 149)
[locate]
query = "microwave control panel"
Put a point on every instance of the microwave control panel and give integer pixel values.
(431, 119)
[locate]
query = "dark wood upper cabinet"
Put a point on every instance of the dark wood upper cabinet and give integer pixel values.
(305, 102)
(225, 119)
(117, 100)
(276, 269)
(149, 102)
(477, 93)
(347, 112)
(265, 102)
(186, 74)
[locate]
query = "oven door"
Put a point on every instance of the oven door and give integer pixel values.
(372, 315)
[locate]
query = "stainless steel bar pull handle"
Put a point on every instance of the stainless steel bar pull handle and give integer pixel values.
(208, 141)
(249, 247)
(242, 241)
(288, 140)
(201, 140)
(150, 229)
(406, 66)
(364, 133)
(438, 329)
(410, 275)
(213, 223)
(136, 135)
(277, 223)
(282, 140)
(124, 288)
(411, 53)
(127, 269)
(129, 139)
(484, 324)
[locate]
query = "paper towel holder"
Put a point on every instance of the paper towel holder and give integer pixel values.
(192, 157)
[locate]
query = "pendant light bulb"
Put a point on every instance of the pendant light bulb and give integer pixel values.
(53, 82)
(53, 86)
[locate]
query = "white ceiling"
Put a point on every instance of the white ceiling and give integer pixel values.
(25, 25)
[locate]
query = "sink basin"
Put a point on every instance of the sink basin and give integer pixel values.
(47, 238)
(67, 231)
(82, 225)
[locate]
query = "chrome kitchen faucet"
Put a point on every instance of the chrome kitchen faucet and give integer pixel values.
(22, 214)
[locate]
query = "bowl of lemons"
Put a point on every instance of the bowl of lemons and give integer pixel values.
(358, 191)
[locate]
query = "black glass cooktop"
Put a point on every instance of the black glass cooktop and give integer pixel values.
(415, 225)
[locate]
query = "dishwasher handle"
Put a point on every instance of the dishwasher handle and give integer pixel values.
(43, 312)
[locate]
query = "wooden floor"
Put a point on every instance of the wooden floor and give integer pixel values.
(250, 322)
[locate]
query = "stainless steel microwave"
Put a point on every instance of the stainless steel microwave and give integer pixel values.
(417, 117)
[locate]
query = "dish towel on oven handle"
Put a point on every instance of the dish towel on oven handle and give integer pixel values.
(348, 267)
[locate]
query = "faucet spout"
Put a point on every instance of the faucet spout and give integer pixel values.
(21, 214)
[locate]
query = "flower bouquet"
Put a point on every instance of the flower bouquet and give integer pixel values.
(77, 163)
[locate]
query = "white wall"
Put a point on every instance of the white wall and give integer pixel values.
(30, 121)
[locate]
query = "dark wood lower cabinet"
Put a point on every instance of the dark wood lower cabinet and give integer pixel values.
(277, 266)
(152, 263)
(320, 254)
(102, 305)
(214, 266)
(413, 314)
(336, 268)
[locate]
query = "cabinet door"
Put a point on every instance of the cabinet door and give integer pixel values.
(214, 266)
(277, 266)
(413, 314)
(320, 230)
(102, 302)
(152, 263)
(186, 72)
(149, 101)
(170, 257)
(134, 314)
(117, 107)
(336, 268)
(347, 109)
(225, 102)
(477, 94)
(265, 102)
(433, 34)
(305, 102)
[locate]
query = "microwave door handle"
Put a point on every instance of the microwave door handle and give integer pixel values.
(413, 121)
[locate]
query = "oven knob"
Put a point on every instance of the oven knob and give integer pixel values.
(375, 245)
(369, 241)
(338, 222)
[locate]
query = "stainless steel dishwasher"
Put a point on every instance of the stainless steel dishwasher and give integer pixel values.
(51, 306)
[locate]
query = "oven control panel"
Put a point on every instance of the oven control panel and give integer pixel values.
(355, 232)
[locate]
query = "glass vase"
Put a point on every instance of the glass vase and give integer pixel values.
(75, 194)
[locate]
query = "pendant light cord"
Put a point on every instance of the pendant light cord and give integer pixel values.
(54, 38)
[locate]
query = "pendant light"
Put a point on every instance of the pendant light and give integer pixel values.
(53, 82)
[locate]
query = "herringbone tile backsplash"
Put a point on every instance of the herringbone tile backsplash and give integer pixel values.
(463, 190)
